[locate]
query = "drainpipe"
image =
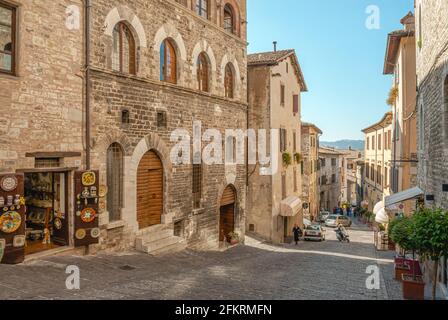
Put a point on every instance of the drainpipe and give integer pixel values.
(88, 6)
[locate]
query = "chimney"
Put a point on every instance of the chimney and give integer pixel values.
(275, 46)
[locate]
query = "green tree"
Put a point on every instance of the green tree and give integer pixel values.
(431, 237)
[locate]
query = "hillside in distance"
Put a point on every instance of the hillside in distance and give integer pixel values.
(344, 144)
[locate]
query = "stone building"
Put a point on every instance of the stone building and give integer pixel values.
(348, 176)
(432, 83)
(155, 67)
(400, 63)
(275, 85)
(310, 169)
(330, 178)
(378, 156)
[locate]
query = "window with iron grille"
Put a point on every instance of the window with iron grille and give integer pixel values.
(284, 192)
(114, 181)
(202, 8)
(47, 162)
(295, 180)
(161, 119)
(7, 38)
(197, 185)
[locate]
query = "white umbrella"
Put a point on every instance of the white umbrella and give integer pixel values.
(382, 217)
(379, 206)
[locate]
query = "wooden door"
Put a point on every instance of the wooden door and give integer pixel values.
(149, 190)
(12, 219)
(227, 214)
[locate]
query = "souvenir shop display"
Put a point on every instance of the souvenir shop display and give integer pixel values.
(87, 199)
(57, 223)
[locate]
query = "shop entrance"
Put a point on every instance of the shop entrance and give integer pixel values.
(47, 226)
(227, 214)
(149, 191)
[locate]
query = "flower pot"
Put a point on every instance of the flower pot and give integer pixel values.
(414, 266)
(400, 270)
(413, 289)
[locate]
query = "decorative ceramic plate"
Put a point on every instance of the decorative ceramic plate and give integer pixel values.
(10, 222)
(9, 183)
(80, 234)
(95, 233)
(88, 215)
(57, 224)
(18, 241)
(102, 192)
(2, 248)
(88, 179)
(102, 206)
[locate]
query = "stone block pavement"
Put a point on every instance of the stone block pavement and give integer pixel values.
(320, 271)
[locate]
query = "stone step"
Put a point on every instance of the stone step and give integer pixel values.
(150, 246)
(176, 247)
(156, 235)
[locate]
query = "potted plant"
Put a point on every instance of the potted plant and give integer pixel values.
(401, 234)
(431, 236)
(287, 160)
(399, 258)
(234, 238)
(297, 157)
(393, 96)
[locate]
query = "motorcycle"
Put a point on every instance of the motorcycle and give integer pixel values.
(342, 236)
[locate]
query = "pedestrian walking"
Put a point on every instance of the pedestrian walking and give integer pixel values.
(297, 233)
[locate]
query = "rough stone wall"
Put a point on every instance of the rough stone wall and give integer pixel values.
(41, 106)
(432, 70)
(143, 95)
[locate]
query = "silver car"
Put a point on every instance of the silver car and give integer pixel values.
(334, 220)
(314, 232)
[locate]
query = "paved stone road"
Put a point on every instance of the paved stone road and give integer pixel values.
(329, 270)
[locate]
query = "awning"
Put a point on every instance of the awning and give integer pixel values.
(307, 222)
(290, 207)
(382, 217)
(378, 207)
(403, 196)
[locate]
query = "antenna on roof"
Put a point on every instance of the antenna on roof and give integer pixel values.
(275, 46)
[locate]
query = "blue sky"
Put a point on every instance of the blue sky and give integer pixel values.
(341, 59)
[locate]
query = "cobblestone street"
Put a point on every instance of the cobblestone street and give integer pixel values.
(328, 270)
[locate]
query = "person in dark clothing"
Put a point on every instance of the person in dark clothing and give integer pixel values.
(297, 233)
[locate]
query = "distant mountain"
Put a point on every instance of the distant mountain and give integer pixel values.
(344, 144)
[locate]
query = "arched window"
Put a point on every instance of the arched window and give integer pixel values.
(202, 8)
(123, 54)
(168, 62)
(114, 181)
(229, 19)
(229, 81)
(203, 72)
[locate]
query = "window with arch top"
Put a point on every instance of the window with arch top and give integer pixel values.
(123, 51)
(114, 181)
(229, 19)
(229, 81)
(203, 72)
(168, 62)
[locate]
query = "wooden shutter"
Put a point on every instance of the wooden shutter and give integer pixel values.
(295, 104)
(11, 254)
(82, 203)
(228, 196)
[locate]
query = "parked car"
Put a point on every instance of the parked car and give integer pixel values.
(335, 220)
(324, 215)
(314, 232)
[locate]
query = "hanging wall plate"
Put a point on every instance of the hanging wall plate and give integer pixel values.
(88, 179)
(19, 241)
(9, 183)
(2, 248)
(57, 224)
(10, 222)
(102, 192)
(88, 215)
(80, 234)
(95, 233)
